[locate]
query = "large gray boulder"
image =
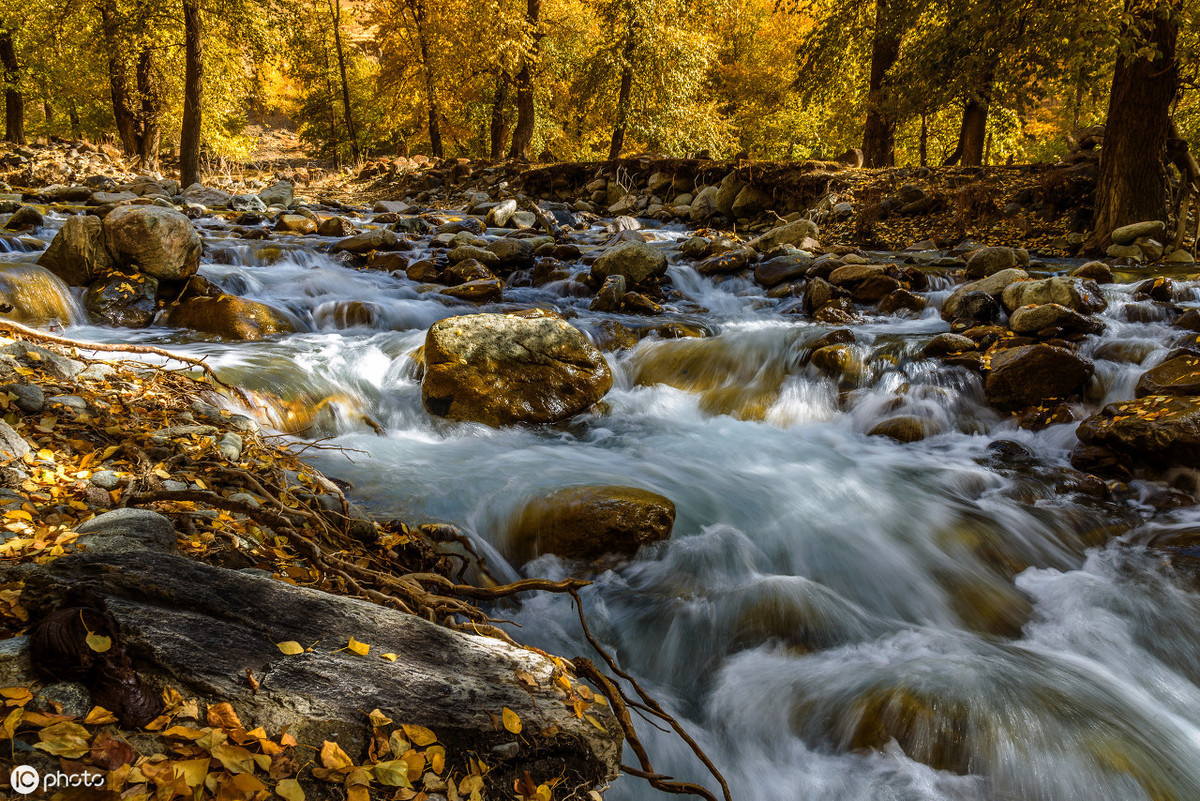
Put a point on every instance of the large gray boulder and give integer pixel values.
(201, 628)
(208, 196)
(989, 261)
(503, 369)
(1128, 234)
(279, 193)
(154, 240)
(637, 261)
(77, 254)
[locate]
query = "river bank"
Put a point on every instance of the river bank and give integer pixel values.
(873, 524)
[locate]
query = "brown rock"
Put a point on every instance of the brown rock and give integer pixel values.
(1176, 376)
(1030, 375)
(589, 522)
(230, 317)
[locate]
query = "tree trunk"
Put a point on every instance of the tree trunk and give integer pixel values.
(118, 83)
(193, 93)
(151, 108)
(1132, 185)
(73, 116)
(335, 10)
(498, 132)
(879, 133)
(435, 131)
(14, 101)
(526, 113)
(618, 135)
(973, 133)
(923, 144)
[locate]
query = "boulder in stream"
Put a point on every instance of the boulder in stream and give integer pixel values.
(1030, 375)
(154, 240)
(230, 317)
(77, 253)
(637, 261)
(1157, 429)
(590, 522)
(502, 369)
(1179, 375)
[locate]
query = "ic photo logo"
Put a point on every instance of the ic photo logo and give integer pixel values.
(24, 779)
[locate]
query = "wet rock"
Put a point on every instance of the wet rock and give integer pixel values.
(1031, 375)
(335, 227)
(506, 369)
(34, 295)
(1128, 234)
(637, 261)
(1189, 320)
(1096, 271)
(1081, 296)
(345, 314)
(947, 344)
(989, 261)
(1161, 289)
(202, 627)
(378, 239)
(426, 271)
(296, 224)
(608, 299)
(791, 234)
(247, 203)
(230, 317)
(904, 428)
(515, 254)
(1029, 320)
(638, 303)
(782, 269)
(1157, 429)
(1179, 375)
(387, 261)
(467, 270)
(993, 285)
(903, 300)
(730, 261)
(480, 290)
(77, 254)
(590, 522)
(26, 218)
(159, 242)
(122, 300)
(499, 215)
(976, 308)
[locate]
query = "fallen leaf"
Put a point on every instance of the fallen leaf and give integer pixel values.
(419, 735)
(290, 648)
(222, 715)
(192, 771)
(289, 790)
(64, 739)
(378, 719)
(512, 721)
(357, 647)
(333, 757)
(98, 643)
(99, 716)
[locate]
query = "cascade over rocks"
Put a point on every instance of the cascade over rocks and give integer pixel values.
(505, 369)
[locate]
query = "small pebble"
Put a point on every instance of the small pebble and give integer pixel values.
(106, 479)
(170, 485)
(71, 401)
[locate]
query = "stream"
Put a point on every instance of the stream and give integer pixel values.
(836, 615)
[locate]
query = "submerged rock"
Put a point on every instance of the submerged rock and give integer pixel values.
(35, 295)
(504, 369)
(589, 522)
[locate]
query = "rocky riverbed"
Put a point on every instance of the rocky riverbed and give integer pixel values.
(875, 524)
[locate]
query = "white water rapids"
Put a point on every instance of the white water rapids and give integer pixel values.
(835, 616)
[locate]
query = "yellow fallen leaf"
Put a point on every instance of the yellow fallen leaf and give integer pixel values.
(235, 758)
(223, 716)
(419, 735)
(64, 739)
(595, 723)
(98, 643)
(289, 790)
(333, 757)
(99, 716)
(393, 773)
(192, 771)
(290, 648)
(437, 758)
(388, 657)
(360, 648)
(512, 721)
(378, 719)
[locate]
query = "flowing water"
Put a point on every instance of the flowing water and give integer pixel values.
(835, 616)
